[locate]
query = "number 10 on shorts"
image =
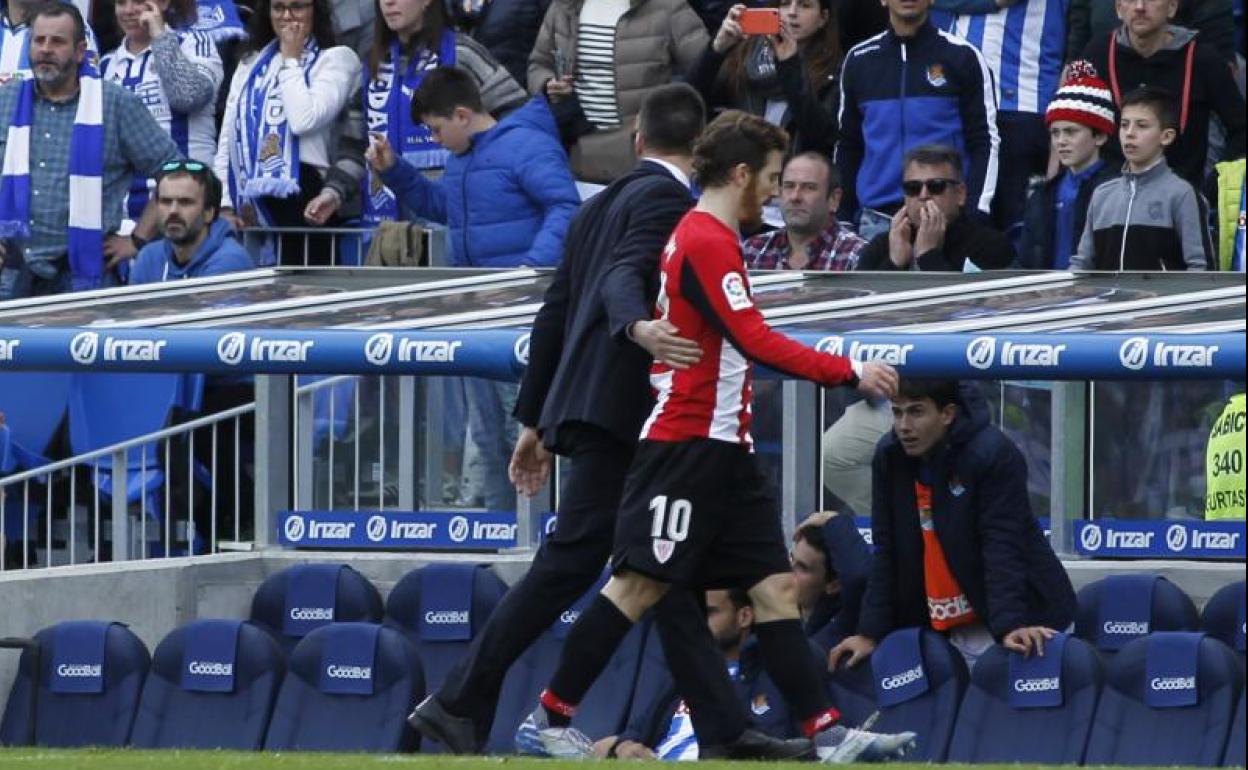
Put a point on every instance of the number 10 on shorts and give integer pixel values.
(669, 526)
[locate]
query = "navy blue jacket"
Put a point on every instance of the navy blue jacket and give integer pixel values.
(1040, 218)
(993, 544)
(898, 93)
(219, 253)
(849, 556)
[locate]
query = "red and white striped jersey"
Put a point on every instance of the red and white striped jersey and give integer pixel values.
(704, 292)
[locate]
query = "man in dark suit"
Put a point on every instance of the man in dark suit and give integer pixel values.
(585, 395)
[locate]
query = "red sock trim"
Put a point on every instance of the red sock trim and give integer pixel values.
(820, 722)
(552, 702)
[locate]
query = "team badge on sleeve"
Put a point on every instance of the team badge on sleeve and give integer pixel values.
(735, 292)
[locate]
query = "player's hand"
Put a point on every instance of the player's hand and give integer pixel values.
(624, 749)
(1028, 639)
(932, 224)
(117, 249)
(854, 650)
(662, 340)
(900, 239)
(322, 207)
(816, 519)
(878, 381)
(530, 463)
(380, 154)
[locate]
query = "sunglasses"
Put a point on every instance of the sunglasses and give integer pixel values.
(937, 186)
(193, 167)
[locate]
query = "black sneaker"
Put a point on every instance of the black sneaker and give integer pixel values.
(457, 734)
(753, 744)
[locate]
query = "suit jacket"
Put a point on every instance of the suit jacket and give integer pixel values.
(582, 367)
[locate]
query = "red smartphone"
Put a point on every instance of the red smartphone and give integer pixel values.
(760, 21)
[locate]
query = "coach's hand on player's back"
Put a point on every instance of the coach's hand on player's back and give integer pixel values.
(530, 463)
(853, 650)
(878, 381)
(662, 340)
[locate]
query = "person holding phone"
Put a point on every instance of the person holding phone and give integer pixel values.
(779, 63)
(175, 71)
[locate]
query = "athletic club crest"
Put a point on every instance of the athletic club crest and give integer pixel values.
(663, 549)
(936, 75)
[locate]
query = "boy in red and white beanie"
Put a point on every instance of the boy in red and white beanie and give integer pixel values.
(1081, 119)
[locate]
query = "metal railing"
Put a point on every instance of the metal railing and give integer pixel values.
(324, 246)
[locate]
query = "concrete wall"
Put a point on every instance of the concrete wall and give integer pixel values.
(154, 597)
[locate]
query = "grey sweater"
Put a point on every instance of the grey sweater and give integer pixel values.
(1154, 220)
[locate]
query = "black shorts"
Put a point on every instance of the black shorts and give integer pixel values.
(701, 514)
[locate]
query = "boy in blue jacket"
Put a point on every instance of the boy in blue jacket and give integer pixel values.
(507, 196)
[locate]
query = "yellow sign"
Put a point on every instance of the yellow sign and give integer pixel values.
(1224, 463)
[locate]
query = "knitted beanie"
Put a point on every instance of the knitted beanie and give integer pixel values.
(1083, 98)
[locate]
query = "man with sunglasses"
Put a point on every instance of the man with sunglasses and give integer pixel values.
(195, 241)
(931, 230)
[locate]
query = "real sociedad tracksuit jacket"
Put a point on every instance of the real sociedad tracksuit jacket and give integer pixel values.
(899, 93)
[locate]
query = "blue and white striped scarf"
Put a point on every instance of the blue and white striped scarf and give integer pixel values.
(218, 19)
(86, 170)
(14, 51)
(264, 158)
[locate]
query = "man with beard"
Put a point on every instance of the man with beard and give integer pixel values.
(196, 242)
(697, 510)
(56, 204)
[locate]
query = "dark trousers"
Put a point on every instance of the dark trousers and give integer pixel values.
(1024, 153)
(564, 568)
(296, 250)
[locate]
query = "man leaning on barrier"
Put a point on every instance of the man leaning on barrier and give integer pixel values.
(957, 548)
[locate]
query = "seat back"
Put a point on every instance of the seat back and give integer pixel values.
(603, 712)
(1116, 610)
(33, 404)
(919, 679)
(296, 600)
(1035, 710)
(1235, 743)
(348, 687)
(1169, 699)
(212, 685)
(440, 608)
(88, 680)
(1223, 617)
(95, 421)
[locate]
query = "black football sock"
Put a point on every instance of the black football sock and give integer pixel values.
(792, 664)
(587, 650)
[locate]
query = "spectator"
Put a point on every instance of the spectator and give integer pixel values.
(113, 137)
(1147, 50)
(1080, 119)
(1214, 20)
(354, 24)
(507, 29)
(523, 198)
(175, 73)
(956, 545)
(412, 37)
(811, 239)
(790, 78)
(14, 38)
(1149, 218)
(913, 86)
(277, 132)
(596, 62)
(1024, 44)
(831, 565)
(859, 20)
(1225, 189)
(932, 230)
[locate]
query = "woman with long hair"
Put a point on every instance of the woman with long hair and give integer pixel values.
(278, 127)
(790, 78)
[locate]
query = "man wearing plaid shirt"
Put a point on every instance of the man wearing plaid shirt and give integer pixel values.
(811, 239)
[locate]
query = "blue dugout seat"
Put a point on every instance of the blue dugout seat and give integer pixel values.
(1032, 710)
(348, 687)
(1114, 611)
(1235, 743)
(86, 679)
(1169, 699)
(440, 608)
(33, 404)
(291, 603)
(606, 706)
(212, 685)
(1223, 617)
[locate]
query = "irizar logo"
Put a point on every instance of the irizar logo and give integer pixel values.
(210, 668)
(890, 353)
(79, 670)
(85, 347)
(349, 672)
(1172, 683)
(493, 531)
(312, 613)
(830, 345)
(294, 528)
(458, 529)
(1090, 538)
(297, 527)
(1176, 537)
(8, 349)
(376, 528)
(1125, 627)
(909, 676)
(981, 353)
(413, 530)
(232, 348)
(1043, 684)
(446, 617)
(521, 349)
(1093, 538)
(1180, 539)
(1134, 355)
(378, 347)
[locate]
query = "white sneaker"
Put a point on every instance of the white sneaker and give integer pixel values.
(841, 745)
(538, 738)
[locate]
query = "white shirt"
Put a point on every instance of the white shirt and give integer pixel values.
(312, 108)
